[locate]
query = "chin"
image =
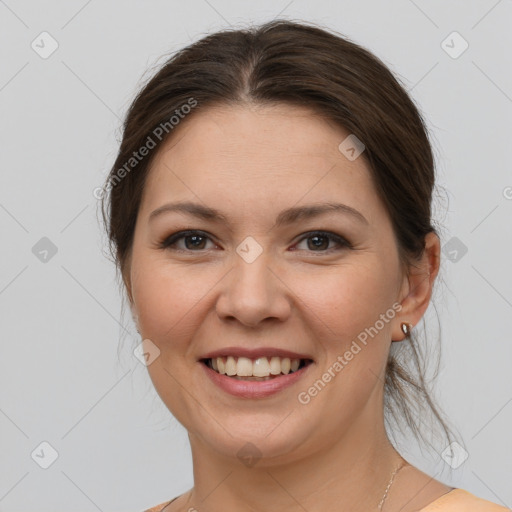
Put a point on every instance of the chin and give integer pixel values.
(262, 438)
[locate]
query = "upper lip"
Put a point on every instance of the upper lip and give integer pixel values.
(254, 353)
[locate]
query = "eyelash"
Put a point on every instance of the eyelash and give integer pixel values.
(171, 240)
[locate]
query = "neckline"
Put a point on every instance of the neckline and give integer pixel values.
(169, 502)
(424, 509)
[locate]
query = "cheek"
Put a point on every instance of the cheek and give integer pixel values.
(169, 299)
(355, 340)
(349, 298)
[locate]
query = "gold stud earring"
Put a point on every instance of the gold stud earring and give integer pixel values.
(406, 329)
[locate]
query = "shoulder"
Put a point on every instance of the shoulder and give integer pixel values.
(458, 500)
(463, 501)
(159, 508)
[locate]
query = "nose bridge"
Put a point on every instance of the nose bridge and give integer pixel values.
(252, 292)
(252, 274)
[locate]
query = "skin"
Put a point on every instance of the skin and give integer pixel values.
(251, 162)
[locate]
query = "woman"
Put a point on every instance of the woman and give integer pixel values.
(269, 212)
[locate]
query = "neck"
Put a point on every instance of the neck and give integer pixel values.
(350, 474)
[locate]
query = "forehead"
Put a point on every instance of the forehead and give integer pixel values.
(270, 154)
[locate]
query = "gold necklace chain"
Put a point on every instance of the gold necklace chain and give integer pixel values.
(381, 501)
(405, 463)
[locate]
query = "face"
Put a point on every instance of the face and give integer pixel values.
(254, 271)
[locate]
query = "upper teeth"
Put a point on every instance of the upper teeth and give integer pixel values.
(261, 367)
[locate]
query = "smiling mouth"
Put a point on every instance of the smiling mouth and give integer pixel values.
(260, 369)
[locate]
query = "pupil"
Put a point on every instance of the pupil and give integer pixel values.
(317, 237)
(196, 238)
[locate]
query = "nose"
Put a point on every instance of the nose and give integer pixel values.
(253, 293)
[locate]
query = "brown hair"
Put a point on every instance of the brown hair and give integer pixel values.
(300, 64)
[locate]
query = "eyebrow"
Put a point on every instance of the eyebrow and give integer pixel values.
(287, 216)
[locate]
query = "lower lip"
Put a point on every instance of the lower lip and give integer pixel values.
(252, 388)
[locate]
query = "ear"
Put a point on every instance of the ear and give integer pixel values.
(417, 286)
(127, 281)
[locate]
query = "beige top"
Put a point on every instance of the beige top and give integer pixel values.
(457, 500)
(460, 500)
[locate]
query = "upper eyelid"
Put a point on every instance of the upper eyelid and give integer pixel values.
(339, 239)
(178, 235)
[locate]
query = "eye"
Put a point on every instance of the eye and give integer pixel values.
(320, 241)
(194, 241)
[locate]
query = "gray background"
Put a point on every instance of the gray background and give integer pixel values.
(65, 376)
